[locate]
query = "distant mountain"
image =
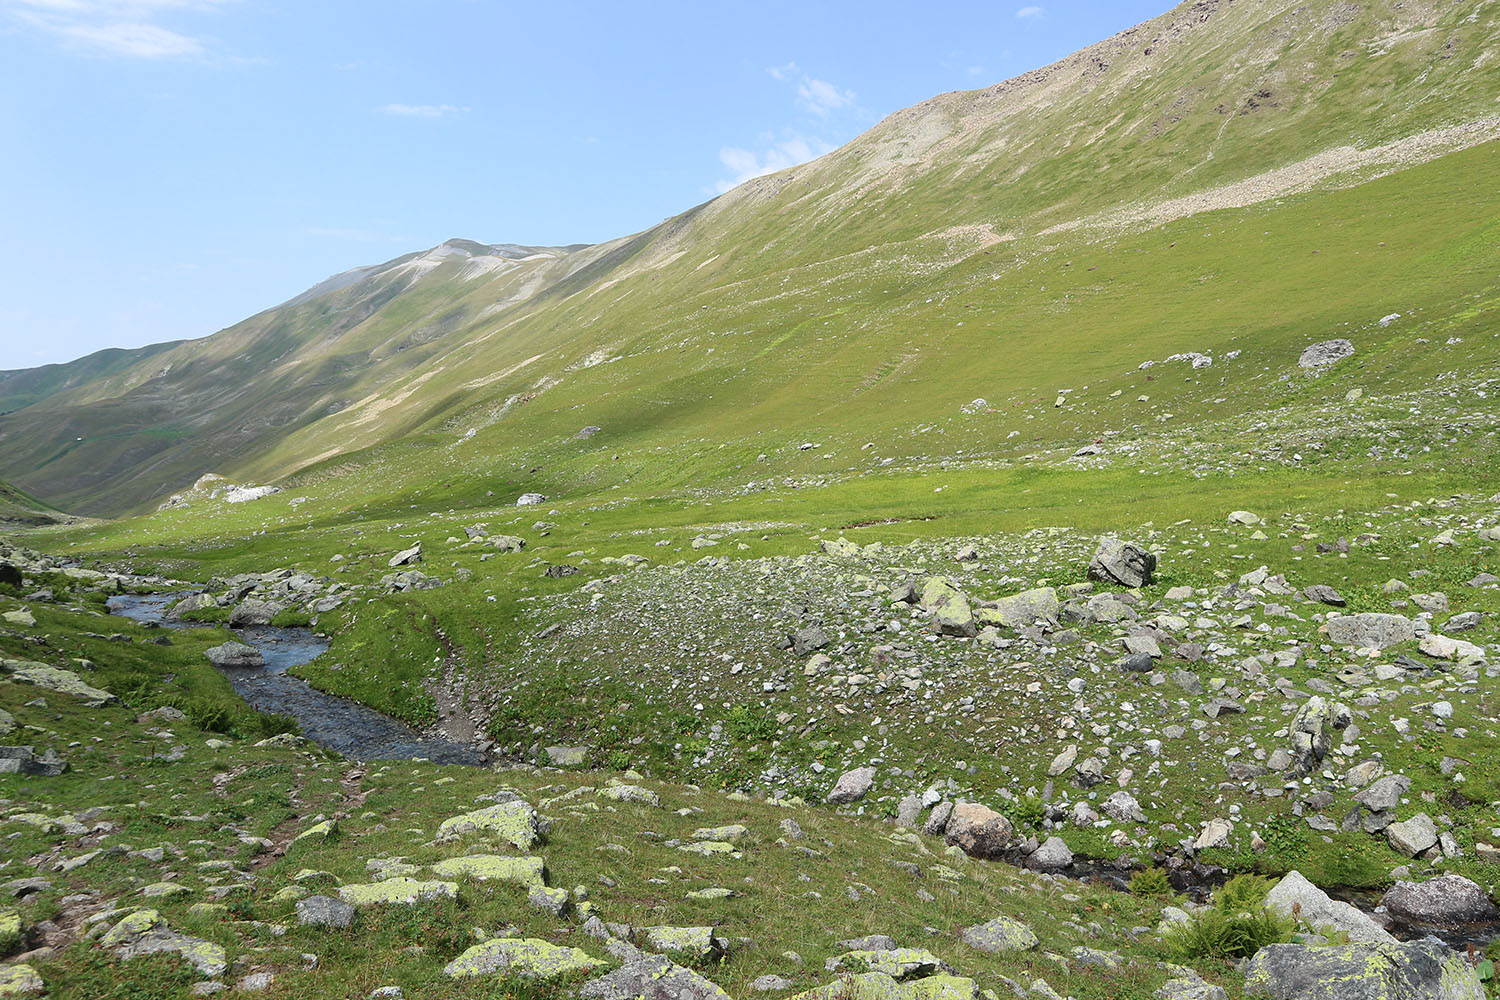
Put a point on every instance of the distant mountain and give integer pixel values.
(928, 263)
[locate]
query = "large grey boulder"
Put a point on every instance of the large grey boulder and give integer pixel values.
(24, 760)
(852, 786)
(1295, 895)
(193, 602)
(252, 612)
(1445, 901)
(1053, 856)
(1312, 730)
(1371, 630)
(1417, 970)
(1413, 836)
(235, 654)
(324, 911)
(1023, 609)
(1123, 563)
(978, 830)
(1385, 794)
(999, 934)
(651, 978)
(1325, 353)
(406, 557)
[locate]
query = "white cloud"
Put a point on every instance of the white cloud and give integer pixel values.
(820, 97)
(423, 110)
(747, 164)
(783, 72)
(113, 27)
(1031, 14)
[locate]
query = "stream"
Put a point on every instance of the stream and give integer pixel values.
(342, 725)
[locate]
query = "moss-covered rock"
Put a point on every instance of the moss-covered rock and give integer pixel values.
(326, 830)
(11, 931)
(1410, 971)
(898, 963)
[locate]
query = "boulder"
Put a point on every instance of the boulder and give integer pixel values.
(397, 891)
(324, 911)
(652, 978)
(898, 963)
(529, 958)
(1295, 895)
(144, 932)
(20, 980)
(516, 823)
(1216, 833)
(808, 640)
(55, 679)
(1053, 856)
(1122, 807)
(252, 612)
(1023, 609)
(1312, 729)
(697, 943)
(978, 831)
(1123, 563)
(1385, 794)
(1417, 970)
(1370, 630)
(24, 760)
(530, 500)
(1325, 353)
(1413, 836)
(1445, 901)
(234, 654)
(852, 786)
(951, 613)
(999, 934)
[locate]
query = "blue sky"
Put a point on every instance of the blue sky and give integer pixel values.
(173, 166)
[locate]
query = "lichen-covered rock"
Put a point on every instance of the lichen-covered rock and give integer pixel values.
(1021, 610)
(1417, 970)
(144, 932)
(20, 980)
(1312, 729)
(898, 963)
(11, 931)
(631, 793)
(396, 891)
(1000, 934)
(879, 986)
(1123, 563)
(732, 834)
(55, 679)
(651, 978)
(525, 872)
(951, 613)
(697, 942)
(1324, 353)
(1294, 894)
(515, 823)
(553, 901)
(978, 830)
(325, 830)
(530, 958)
(1371, 630)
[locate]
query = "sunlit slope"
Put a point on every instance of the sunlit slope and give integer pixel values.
(1229, 177)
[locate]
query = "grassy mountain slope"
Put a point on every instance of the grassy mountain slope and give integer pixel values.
(838, 298)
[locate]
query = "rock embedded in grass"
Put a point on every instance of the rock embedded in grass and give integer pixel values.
(850, 787)
(529, 958)
(1000, 934)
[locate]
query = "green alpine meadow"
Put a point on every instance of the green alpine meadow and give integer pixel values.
(1047, 547)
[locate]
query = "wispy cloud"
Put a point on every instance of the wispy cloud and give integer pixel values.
(126, 28)
(746, 164)
(1031, 14)
(821, 97)
(423, 110)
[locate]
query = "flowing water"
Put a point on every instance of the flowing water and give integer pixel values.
(345, 726)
